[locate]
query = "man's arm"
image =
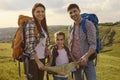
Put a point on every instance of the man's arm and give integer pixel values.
(91, 37)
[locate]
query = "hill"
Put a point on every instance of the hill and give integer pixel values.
(108, 59)
(7, 34)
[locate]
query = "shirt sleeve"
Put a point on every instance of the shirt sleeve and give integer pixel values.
(30, 39)
(91, 34)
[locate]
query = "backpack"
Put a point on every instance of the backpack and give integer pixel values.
(94, 19)
(18, 43)
(55, 53)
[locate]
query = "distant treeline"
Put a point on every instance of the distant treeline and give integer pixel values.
(110, 24)
(7, 34)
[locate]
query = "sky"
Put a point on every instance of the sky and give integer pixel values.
(56, 10)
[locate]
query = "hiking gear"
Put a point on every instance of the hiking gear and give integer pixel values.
(55, 53)
(62, 69)
(94, 19)
(18, 43)
(26, 68)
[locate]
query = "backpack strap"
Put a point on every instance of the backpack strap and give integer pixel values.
(71, 28)
(22, 29)
(83, 25)
(55, 53)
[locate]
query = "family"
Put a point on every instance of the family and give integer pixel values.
(80, 45)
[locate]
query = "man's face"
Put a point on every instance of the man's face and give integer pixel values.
(74, 14)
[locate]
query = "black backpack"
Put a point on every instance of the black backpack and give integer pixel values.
(55, 53)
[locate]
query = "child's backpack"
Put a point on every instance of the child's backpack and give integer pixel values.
(94, 19)
(18, 43)
(55, 53)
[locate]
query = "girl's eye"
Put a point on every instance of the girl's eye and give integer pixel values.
(59, 39)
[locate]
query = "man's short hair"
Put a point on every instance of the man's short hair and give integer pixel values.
(71, 6)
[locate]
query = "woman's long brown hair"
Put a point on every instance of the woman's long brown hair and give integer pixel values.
(43, 22)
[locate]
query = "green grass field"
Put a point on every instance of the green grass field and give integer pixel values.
(108, 65)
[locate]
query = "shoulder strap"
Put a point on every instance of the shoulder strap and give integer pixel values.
(68, 53)
(54, 50)
(83, 25)
(22, 29)
(70, 28)
(66, 48)
(54, 54)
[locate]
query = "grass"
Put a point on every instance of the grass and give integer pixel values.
(8, 67)
(107, 65)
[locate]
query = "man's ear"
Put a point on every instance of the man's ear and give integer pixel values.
(79, 10)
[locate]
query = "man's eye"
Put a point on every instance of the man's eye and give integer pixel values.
(74, 11)
(70, 12)
(38, 11)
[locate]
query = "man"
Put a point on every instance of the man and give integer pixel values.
(82, 44)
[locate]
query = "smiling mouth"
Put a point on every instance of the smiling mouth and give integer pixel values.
(74, 17)
(40, 17)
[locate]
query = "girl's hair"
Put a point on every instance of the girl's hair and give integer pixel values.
(71, 6)
(43, 22)
(59, 33)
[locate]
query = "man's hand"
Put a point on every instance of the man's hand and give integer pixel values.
(83, 60)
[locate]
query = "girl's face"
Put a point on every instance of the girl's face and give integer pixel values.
(39, 13)
(59, 40)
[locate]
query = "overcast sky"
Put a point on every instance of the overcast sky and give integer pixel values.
(56, 10)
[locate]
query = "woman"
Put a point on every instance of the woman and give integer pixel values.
(35, 44)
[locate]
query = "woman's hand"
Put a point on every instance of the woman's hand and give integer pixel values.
(40, 65)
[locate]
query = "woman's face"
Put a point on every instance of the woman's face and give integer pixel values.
(39, 13)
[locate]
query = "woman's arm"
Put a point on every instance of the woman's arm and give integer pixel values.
(30, 44)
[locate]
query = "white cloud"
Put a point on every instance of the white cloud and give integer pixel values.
(9, 18)
(15, 4)
(56, 10)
